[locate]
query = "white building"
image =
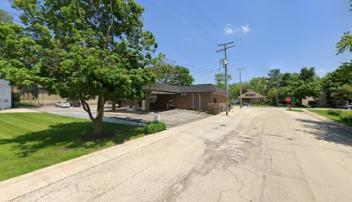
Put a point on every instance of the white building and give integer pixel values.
(5, 95)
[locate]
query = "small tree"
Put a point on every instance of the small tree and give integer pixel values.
(220, 79)
(174, 75)
(274, 83)
(85, 50)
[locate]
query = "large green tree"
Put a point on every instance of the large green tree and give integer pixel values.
(304, 84)
(338, 85)
(85, 50)
(259, 85)
(299, 85)
(274, 83)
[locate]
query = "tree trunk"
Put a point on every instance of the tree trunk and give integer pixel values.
(113, 106)
(98, 130)
(98, 127)
(277, 99)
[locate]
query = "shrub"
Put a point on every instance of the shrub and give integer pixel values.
(16, 99)
(312, 104)
(154, 127)
(334, 112)
(346, 117)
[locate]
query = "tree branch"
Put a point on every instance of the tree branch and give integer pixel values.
(110, 26)
(86, 108)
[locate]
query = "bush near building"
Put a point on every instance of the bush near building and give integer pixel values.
(154, 127)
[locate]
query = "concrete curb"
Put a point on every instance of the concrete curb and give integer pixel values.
(19, 186)
(322, 118)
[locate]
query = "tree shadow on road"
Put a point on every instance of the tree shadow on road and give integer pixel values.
(327, 131)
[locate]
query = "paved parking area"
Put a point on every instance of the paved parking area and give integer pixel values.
(171, 118)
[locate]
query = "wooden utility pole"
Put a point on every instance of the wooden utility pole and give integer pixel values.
(225, 47)
(241, 90)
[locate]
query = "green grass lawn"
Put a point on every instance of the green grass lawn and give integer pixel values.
(294, 110)
(29, 141)
(332, 117)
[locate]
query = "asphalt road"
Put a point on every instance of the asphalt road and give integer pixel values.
(257, 154)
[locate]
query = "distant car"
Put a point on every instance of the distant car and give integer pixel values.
(75, 103)
(345, 106)
(235, 102)
(62, 104)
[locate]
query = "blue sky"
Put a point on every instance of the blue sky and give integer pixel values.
(284, 34)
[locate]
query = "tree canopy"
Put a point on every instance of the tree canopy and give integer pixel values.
(338, 85)
(174, 75)
(276, 86)
(5, 17)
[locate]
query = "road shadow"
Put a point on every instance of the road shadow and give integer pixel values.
(69, 136)
(327, 131)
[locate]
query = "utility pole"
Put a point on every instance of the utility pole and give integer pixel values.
(241, 90)
(225, 47)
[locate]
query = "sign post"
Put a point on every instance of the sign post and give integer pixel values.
(288, 101)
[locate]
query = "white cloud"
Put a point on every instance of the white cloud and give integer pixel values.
(244, 29)
(228, 29)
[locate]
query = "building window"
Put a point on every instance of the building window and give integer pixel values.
(171, 103)
(215, 100)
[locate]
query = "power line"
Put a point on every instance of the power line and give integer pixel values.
(225, 47)
(174, 62)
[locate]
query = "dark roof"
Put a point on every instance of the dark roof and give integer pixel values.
(202, 88)
(163, 88)
(198, 88)
(251, 94)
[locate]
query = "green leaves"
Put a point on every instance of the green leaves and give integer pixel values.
(338, 84)
(5, 17)
(220, 79)
(80, 50)
(279, 85)
(171, 74)
(345, 43)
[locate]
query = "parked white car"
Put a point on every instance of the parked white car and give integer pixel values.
(62, 104)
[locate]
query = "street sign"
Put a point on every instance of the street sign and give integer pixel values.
(288, 100)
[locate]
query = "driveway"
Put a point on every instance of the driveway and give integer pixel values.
(255, 154)
(171, 118)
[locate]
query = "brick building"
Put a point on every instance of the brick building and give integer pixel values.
(194, 97)
(160, 97)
